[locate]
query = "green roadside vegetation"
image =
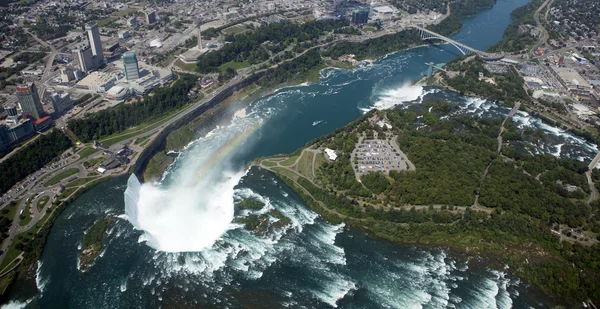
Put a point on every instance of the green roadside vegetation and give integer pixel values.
(7, 214)
(32, 157)
(512, 40)
(92, 242)
(67, 192)
(60, 176)
(86, 151)
(25, 217)
(80, 182)
(141, 141)
(517, 219)
(234, 65)
(42, 202)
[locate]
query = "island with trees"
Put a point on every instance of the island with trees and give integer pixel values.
(474, 188)
(92, 243)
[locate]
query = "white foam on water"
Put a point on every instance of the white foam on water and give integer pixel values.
(15, 304)
(40, 282)
(335, 291)
(392, 97)
(558, 150)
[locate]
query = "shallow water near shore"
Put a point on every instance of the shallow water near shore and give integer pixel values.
(174, 245)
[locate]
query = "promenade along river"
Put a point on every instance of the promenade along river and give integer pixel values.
(174, 245)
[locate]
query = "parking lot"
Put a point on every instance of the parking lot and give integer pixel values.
(376, 155)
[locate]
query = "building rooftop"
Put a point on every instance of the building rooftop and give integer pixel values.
(94, 79)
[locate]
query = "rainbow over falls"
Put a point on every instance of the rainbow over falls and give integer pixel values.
(194, 208)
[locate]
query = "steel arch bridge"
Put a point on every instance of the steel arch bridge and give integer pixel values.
(430, 35)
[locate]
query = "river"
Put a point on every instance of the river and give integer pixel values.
(174, 245)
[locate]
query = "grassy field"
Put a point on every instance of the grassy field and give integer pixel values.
(86, 152)
(124, 12)
(305, 165)
(93, 162)
(141, 140)
(62, 175)
(105, 21)
(25, 217)
(234, 65)
(290, 161)
(235, 30)
(286, 172)
(10, 211)
(319, 160)
(67, 192)
(269, 163)
(42, 202)
(80, 182)
(186, 66)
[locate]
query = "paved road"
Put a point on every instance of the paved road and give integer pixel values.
(543, 33)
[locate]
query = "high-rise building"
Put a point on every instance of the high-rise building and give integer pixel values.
(61, 102)
(86, 61)
(130, 66)
(29, 101)
(360, 17)
(91, 57)
(95, 42)
(4, 138)
(150, 17)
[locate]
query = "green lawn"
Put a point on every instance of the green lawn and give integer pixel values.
(234, 65)
(124, 12)
(92, 162)
(141, 140)
(319, 160)
(10, 210)
(86, 152)
(67, 192)
(42, 202)
(80, 182)
(186, 66)
(269, 163)
(11, 255)
(25, 217)
(62, 175)
(105, 21)
(290, 160)
(286, 172)
(235, 30)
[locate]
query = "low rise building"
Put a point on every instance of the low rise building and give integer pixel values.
(97, 81)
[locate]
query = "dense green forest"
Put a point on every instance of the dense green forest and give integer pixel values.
(157, 104)
(257, 46)
(374, 48)
(512, 41)
(293, 69)
(525, 195)
(32, 157)
(508, 87)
